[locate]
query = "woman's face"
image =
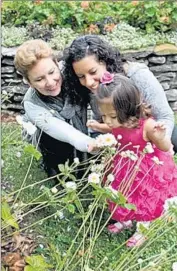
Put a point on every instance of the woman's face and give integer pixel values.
(45, 77)
(89, 71)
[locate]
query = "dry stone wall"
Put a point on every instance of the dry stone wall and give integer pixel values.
(161, 59)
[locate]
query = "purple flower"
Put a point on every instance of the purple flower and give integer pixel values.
(107, 78)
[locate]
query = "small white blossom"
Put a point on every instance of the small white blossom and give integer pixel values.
(156, 160)
(110, 178)
(119, 137)
(170, 202)
(54, 190)
(19, 119)
(148, 148)
(129, 154)
(18, 154)
(59, 214)
(71, 185)
(2, 162)
(4, 92)
(29, 127)
(174, 266)
(106, 140)
(97, 168)
(140, 261)
(94, 178)
(41, 246)
(76, 161)
(42, 187)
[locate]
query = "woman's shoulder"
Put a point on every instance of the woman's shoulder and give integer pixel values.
(131, 68)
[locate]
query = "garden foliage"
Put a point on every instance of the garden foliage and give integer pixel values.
(92, 16)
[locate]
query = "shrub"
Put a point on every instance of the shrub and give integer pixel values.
(148, 15)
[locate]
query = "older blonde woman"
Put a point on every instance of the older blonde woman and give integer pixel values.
(62, 130)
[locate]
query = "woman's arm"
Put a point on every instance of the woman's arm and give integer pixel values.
(152, 93)
(56, 128)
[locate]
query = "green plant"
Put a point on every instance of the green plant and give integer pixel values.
(70, 222)
(12, 36)
(148, 15)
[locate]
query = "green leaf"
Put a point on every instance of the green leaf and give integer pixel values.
(32, 150)
(130, 206)
(7, 216)
(71, 208)
(36, 262)
(72, 177)
(61, 168)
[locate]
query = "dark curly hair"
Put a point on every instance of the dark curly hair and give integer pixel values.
(81, 47)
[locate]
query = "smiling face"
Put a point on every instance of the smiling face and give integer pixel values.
(89, 71)
(45, 77)
(108, 113)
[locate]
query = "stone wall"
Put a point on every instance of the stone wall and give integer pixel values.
(161, 59)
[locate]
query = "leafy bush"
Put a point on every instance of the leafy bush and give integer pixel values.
(148, 15)
(12, 36)
(123, 36)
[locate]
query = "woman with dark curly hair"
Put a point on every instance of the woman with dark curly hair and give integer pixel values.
(61, 132)
(89, 57)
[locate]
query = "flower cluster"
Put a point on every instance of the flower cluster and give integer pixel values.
(28, 126)
(106, 140)
(129, 154)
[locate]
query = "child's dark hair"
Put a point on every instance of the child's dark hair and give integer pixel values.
(126, 99)
(88, 45)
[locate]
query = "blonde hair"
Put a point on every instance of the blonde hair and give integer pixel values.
(29, 53)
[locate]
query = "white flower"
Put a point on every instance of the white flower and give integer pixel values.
(156, 160)
(170, 202)
(19, 119)
(87, 268)
(2, 162)
(148, 148)
(4, 92)
(130, 154)
(76, 161)
(59, 214)
(106, 140)
(174, 266)
(71, 185)
(97, 168)
(29, 127)
(119, 137)
(54, 190)
(140, 261)
(18, 154)
(94, 178)
(41, 246)
(110, 178)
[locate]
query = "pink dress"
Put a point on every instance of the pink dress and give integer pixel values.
(151, 183)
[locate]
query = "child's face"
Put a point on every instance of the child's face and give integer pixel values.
(108, 113)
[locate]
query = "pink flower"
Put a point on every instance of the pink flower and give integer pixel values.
(107, 78)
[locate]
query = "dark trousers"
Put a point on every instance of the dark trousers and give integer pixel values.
(54, 152)
(174, 138)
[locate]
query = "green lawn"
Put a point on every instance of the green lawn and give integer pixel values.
(69, 242)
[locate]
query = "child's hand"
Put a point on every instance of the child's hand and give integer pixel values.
(159, 130)
(93, 124)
